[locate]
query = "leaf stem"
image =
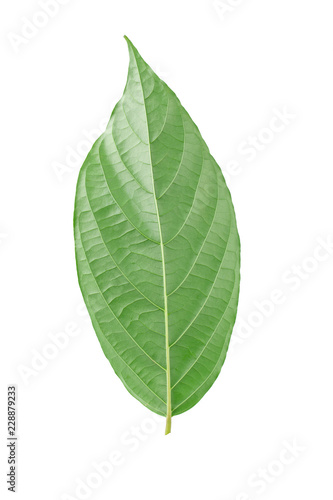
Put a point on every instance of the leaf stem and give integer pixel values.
(168, 424)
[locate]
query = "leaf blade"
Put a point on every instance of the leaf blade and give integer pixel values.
(157, 247)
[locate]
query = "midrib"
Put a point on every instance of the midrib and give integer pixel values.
(166, 320)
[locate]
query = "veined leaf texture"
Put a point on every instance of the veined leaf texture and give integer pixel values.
(157, 247)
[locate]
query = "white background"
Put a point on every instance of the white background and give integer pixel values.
(234, 66)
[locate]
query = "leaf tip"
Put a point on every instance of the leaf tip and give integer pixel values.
(133, 52)
(129, 43)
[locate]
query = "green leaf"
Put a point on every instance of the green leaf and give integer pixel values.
(157, 247)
